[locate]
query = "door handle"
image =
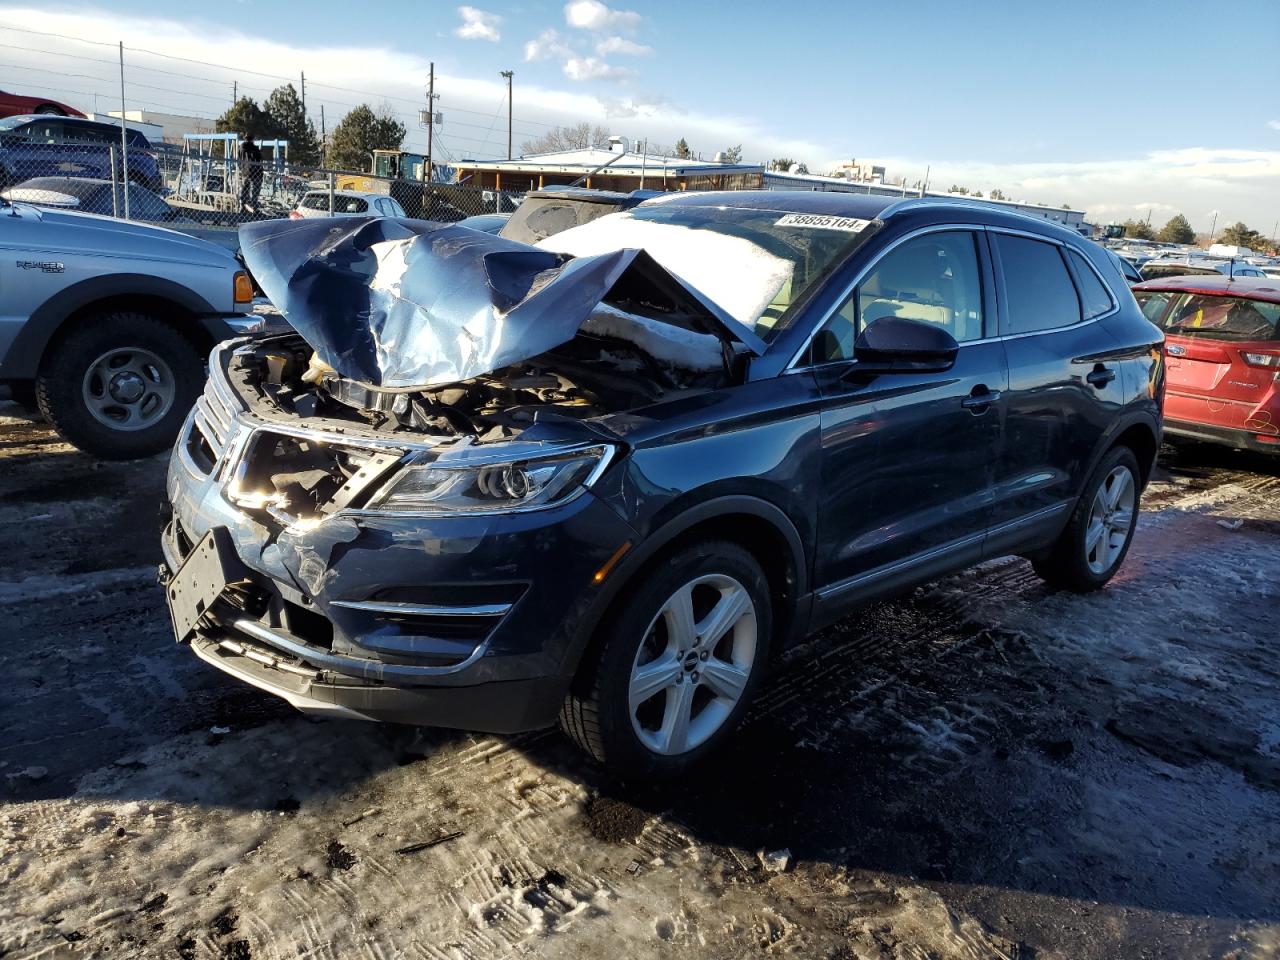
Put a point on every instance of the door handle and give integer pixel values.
(1100, 376)
(980, 399)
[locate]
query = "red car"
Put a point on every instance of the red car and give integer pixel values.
(11, 105)
(1222, 348)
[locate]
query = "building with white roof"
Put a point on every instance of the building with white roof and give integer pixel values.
(615, 167)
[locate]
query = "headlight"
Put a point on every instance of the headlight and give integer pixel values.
(496, 482)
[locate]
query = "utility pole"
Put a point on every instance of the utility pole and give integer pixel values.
(235, 91)
(508, 74)
(303, 95)
(124, 139)
(428, 171)
(324, 137)
(1214, 228)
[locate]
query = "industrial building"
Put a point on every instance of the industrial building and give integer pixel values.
(615, 167)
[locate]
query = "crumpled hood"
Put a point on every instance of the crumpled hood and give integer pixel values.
(405, 304)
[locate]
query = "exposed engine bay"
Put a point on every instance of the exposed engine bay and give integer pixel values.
(590, 376)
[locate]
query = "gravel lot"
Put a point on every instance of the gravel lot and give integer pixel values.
(983, 769)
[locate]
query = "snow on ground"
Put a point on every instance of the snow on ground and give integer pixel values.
(983, 769)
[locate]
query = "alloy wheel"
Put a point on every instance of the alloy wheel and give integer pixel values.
(1111, 517)
(693, 664)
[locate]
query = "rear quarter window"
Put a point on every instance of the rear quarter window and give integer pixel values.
(1095, 298)
(1039, 292)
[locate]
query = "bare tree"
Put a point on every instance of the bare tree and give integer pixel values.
(576, 137)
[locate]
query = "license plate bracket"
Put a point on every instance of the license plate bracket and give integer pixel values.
(210, 567)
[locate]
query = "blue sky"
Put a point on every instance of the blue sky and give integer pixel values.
(1118, 107)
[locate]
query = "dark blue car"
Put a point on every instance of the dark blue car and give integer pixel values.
(53, 146)
(607, 479)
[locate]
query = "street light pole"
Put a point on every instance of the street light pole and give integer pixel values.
(508, 74)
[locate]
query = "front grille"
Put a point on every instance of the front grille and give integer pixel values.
(212, 429)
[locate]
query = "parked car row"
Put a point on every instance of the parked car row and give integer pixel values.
(842, 395)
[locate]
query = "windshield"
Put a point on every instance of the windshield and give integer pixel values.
(540, 217)
(12, 123)
(1222, 318)
(755, 264)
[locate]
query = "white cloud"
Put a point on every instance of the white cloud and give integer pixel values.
(611, 45)
(592, 68)
(546, 46)
(478, 25)
(1274, 124)
(594, 15)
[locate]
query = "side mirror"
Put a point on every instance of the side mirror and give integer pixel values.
(903, 345)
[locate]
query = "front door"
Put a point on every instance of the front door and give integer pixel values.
(908, 459)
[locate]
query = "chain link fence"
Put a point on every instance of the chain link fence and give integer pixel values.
(210, 196)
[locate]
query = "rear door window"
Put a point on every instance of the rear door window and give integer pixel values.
(1039, 293)
(316, 201)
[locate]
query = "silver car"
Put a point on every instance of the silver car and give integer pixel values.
(104, 324)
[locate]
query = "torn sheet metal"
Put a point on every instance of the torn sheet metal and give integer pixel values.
(408, 304)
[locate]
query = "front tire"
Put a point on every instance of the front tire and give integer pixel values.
(678, 664)
(1097, 537)
(119, 385)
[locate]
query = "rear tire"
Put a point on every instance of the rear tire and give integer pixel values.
(1097, 537)
(626, 706)
(120, 384)
(49, 109)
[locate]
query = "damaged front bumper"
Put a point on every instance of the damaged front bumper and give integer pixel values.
(467, 621)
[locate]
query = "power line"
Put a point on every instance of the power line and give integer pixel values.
(233, 69)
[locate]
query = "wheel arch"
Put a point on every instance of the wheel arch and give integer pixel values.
(760, 527)
(169, 302)
(1141, 435)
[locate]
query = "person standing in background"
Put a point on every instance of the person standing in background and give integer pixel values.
(250, 173)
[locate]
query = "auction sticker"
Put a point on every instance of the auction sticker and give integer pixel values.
(819, 221)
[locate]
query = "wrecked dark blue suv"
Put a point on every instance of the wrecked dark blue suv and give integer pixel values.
(607, 479)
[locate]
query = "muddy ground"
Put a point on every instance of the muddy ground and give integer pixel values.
(983, 769)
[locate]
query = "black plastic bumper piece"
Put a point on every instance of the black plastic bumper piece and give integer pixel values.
(510, 706)
(1208, 433)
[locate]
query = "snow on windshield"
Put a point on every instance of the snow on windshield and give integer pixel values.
(739, 276)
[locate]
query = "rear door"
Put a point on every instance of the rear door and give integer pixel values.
(1064, 382)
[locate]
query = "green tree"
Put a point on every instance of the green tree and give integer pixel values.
(248, 119)
(978, 194)
(361, 132)
(956, 188)
(682, 149)
(284, 107)
(1138, 230)
(1239, 235)
(998, 194)
(732, 154)
(1177, 230)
